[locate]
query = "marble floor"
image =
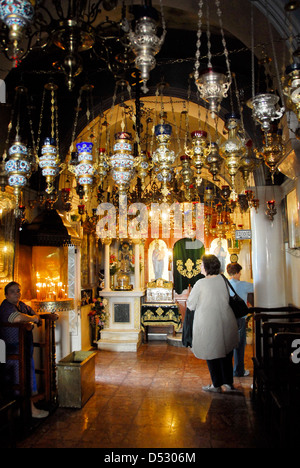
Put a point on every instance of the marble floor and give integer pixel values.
(153, 399)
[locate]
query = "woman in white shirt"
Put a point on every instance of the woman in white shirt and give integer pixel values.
(215, 331)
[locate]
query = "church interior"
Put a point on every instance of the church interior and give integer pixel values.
(136, 137)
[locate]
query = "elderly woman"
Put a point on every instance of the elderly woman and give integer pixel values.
(215, 330)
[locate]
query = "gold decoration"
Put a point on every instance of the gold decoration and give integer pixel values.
(189, 271)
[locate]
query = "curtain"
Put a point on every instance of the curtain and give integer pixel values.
(187, 255)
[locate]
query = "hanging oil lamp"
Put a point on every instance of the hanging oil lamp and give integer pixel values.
(243, 202)
(233, 149)
(143, 167)
(49, 163)
(265, 109)
(102, 166)
(17, 15)
(145, 43)
(212, 82)
(225, 192)
(17, 168)
(213, 87)
(214, 160)
(249, 162)
(163, 158)
(199, 152)
(292, 88)
(273, 149)
(122, 162)
(49, 160)
(271, 210)
(186, 171)
(85, 169)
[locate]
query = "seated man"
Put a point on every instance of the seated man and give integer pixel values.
(13, 310)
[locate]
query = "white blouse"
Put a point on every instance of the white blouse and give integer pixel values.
(215, 330)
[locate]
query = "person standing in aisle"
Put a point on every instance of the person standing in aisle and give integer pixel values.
(215, 331)
(243, 289)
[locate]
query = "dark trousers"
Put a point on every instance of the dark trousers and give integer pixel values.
(221, 370)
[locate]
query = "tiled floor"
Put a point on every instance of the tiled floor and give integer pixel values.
(153, 399)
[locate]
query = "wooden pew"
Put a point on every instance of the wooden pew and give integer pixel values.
(263, 315)
(285, 395)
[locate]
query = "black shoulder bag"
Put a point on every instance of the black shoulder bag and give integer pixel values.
(237, 304)
(187, 329)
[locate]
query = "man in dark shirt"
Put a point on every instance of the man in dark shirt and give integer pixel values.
(12, 310)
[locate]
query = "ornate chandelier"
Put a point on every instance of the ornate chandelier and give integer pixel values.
(71, 26)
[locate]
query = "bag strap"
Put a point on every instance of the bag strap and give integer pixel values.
(228, 284)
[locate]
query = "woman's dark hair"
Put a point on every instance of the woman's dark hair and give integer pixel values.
(233, 268)
(9, 285)
(211, 264)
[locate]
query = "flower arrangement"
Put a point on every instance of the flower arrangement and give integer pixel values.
(98, 315)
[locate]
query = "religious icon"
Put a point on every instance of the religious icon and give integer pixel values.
(158, 259)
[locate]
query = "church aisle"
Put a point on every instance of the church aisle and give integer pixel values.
(153, 399)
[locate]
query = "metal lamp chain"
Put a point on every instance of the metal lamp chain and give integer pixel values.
(219, 13)
(76, 120)
(198, 43)
(208, 37)
(252, 50)
(40, 122)
(274, 54)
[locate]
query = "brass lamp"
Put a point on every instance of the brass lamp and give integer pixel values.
(292, 88)
(233, 149)
(273, 149)
(199, 152)
(163, 158)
